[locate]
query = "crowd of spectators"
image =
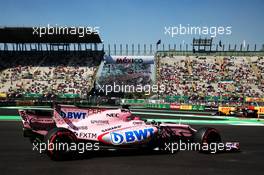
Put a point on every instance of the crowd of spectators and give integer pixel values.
(192, 76)
(196, 77)
(47, 75)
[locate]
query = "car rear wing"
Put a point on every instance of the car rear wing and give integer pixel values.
(37, 121)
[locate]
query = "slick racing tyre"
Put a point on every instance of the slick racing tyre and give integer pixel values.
(207, 136)
(58, 142)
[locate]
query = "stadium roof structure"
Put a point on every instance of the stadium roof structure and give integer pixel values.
(29, 35)
(206, 45)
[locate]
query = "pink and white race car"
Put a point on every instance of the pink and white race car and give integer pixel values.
(108, 128)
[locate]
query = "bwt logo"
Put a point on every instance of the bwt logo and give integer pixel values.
(131, 136)
(73, 115)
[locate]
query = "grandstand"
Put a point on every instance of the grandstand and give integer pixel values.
(29, 69)
(44, 76)
(201, 76)
(64, 67)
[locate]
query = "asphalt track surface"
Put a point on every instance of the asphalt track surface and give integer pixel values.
(17, 157)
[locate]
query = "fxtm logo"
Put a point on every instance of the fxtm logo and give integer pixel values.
(86, 135)
(131, 136)
(73, 115)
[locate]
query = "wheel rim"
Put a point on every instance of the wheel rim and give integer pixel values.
(59, 140)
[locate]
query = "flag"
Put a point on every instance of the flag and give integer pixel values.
(220, 43)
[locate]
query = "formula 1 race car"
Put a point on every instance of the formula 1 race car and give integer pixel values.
(108, 128)
(242, 111)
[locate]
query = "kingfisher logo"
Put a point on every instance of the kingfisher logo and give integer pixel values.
(73, 115)
(131, 136)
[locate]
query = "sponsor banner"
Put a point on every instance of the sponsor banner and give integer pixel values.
(133, 101)
(69, 96)
(159, 106)
(3, 95)
(260, 109)
(24, 103)
(186, 107)
(176, 98)
(175, 106)
(32, 95)
(249, 99)
(195, 107)
(129, 59)
(148, 105)
(155, 101)
(198, 107)
(201, 108)
(164, 106)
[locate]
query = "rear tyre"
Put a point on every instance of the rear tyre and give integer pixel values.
(207, 136)
(58, 142)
